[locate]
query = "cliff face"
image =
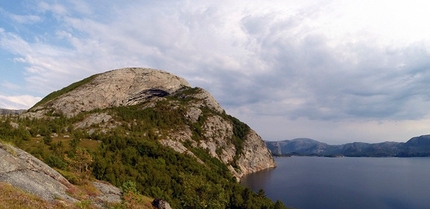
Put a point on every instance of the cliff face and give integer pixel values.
(242, 150)
(255, 155)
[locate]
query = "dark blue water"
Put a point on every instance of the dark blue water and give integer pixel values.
(346, 183)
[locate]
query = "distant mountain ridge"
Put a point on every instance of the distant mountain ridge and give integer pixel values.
(414, 147)
(10, 112)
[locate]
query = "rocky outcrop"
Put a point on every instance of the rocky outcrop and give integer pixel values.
(28, 173)
(161, 204)
(23, 171)
(204, 98)
(256, 156)
(109, 194)
(217, 132)
(122, 87)
(93, 119)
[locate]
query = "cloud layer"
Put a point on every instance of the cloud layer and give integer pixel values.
(328, 62)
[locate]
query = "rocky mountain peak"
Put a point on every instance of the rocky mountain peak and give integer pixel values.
(203, 122)
(121, 87)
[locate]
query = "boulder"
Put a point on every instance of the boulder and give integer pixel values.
(161, 204)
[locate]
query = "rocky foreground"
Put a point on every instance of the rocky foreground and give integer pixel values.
(29, 174)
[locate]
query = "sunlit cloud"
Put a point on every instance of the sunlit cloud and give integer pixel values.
(18, 102)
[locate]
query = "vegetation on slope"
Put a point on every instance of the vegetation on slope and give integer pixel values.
(130, 153)
(64, 90)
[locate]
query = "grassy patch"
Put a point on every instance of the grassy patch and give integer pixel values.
(7, 147)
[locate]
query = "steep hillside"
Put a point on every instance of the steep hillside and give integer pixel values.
(198, 118)
(149, 128)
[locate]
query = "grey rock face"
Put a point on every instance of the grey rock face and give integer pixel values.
(110, 193)
(206, 99)
(32, 175)
(128, 86)
(255, 156)
(218, 132)
(93, 119)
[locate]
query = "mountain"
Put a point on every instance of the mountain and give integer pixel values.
(10, 112)
(148, 88)
(303, 146)
(146, 131)
(417, 146)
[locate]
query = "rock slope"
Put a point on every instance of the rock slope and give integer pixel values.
(29, 174)
(149, 87)
(32, 175)
(116, 88)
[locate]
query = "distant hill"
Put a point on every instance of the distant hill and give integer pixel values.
(10, 112)
(415, 147)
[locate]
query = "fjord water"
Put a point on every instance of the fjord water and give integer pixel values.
(346, 183)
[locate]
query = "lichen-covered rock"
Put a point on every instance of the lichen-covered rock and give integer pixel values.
(109, 193)
(28, 173)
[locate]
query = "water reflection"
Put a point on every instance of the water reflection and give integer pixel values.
(255, 181)
(353, 183)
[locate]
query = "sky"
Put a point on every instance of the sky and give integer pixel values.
(336, 71)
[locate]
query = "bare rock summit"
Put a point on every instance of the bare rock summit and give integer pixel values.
(122, 87)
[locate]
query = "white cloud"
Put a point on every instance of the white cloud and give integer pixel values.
(22, 19)
(10, 86)
(18, 102)
(55, 8)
